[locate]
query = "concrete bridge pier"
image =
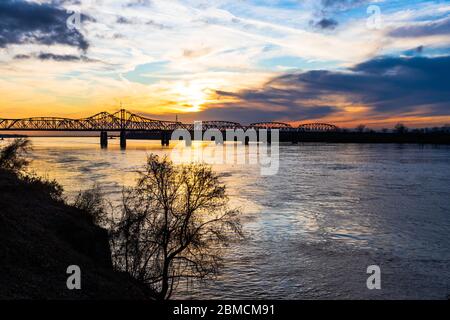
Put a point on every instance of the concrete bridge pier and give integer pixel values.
(267, 138)
(218, 140)
(165, 138)
(222, 140)
(187, 142)
(104, 139)
(123, 140)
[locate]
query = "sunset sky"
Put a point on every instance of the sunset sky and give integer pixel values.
(246, 61)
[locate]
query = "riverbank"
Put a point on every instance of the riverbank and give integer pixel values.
(337, 137)
(40, 237)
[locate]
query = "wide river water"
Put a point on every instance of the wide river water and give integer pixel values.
(312, 229)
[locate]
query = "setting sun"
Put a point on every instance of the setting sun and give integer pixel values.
(191, 96)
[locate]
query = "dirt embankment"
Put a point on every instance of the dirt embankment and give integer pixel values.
(41, 237)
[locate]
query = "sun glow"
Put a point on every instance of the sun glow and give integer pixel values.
(191, 96)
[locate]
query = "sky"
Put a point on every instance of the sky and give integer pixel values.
(344, 62)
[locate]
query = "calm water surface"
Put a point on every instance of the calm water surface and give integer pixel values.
(331, 211)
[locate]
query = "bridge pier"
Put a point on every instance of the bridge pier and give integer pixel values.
(267, 138)
(165, 138)
(220, 140)
(103, 139)
(123, 140)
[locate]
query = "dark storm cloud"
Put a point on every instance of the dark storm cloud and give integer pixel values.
(266, 104)
(390, 85)
(434, 28)
(24, 22)
(326, 23)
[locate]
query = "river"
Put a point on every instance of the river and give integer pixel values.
(314, 227)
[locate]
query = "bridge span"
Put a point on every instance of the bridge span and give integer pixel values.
(124, 121)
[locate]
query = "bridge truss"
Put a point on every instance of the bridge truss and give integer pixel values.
(120, 121)
(124, 120)
(271, 125)
(317, 127)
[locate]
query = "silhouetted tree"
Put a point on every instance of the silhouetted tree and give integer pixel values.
(94, 206)
(446, 127)
(174, 225)
(13, 155)
(400, 128)
(360, 128)
(44, 185)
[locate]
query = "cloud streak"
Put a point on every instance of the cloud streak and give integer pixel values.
(51, 56)
(427, 29)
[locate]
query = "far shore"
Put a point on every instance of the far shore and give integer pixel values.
(413, 136)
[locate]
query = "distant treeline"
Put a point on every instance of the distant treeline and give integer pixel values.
(435, 137)
(400, 134)
(400, 128)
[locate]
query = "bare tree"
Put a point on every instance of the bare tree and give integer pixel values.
(446, 127)
(401, 128)
(13, 155)
(174, 225)
(93, 205)
(360, 128)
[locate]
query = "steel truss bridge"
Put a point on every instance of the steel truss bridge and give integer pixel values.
(124, 121)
